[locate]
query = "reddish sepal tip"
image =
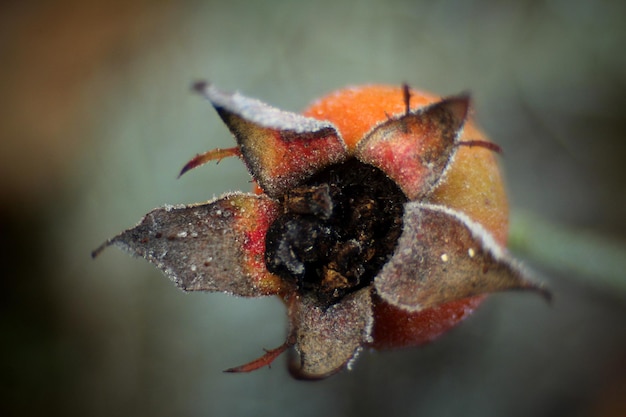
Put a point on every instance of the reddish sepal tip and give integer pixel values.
(193, 163)
(212, 155)
(406, 96)
(265, 360)
(482, 144)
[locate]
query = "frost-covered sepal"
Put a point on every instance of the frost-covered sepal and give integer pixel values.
(280, 148)
(217, 246)
(442, 256)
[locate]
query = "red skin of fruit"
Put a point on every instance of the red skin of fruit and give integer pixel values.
(473, 185)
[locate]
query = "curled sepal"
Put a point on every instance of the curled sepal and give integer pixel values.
(217, 246)
(328, 338)
(416, 148)
(443, 256)
(280, 148)
(265, 360)
(212, 155)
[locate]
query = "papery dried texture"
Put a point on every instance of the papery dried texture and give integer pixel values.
(313, 175)
(326, 337)
(444, 256)
(218, 246)
(473, 185)
(279, 147)
(416, 148)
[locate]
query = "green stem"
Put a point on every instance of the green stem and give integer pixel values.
(592, 258)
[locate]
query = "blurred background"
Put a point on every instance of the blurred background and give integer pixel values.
(97, 119)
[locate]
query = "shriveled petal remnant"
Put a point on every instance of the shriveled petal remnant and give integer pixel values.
(442, 256)
(342, 231)
(207, 247)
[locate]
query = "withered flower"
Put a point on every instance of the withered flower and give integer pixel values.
(380, 220)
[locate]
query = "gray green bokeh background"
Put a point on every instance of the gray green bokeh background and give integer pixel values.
(97, 119)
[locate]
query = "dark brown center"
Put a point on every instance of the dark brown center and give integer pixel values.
(337, 230)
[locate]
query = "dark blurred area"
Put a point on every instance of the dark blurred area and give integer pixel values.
(97, 119)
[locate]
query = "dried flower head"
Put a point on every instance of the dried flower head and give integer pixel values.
(380, 220)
